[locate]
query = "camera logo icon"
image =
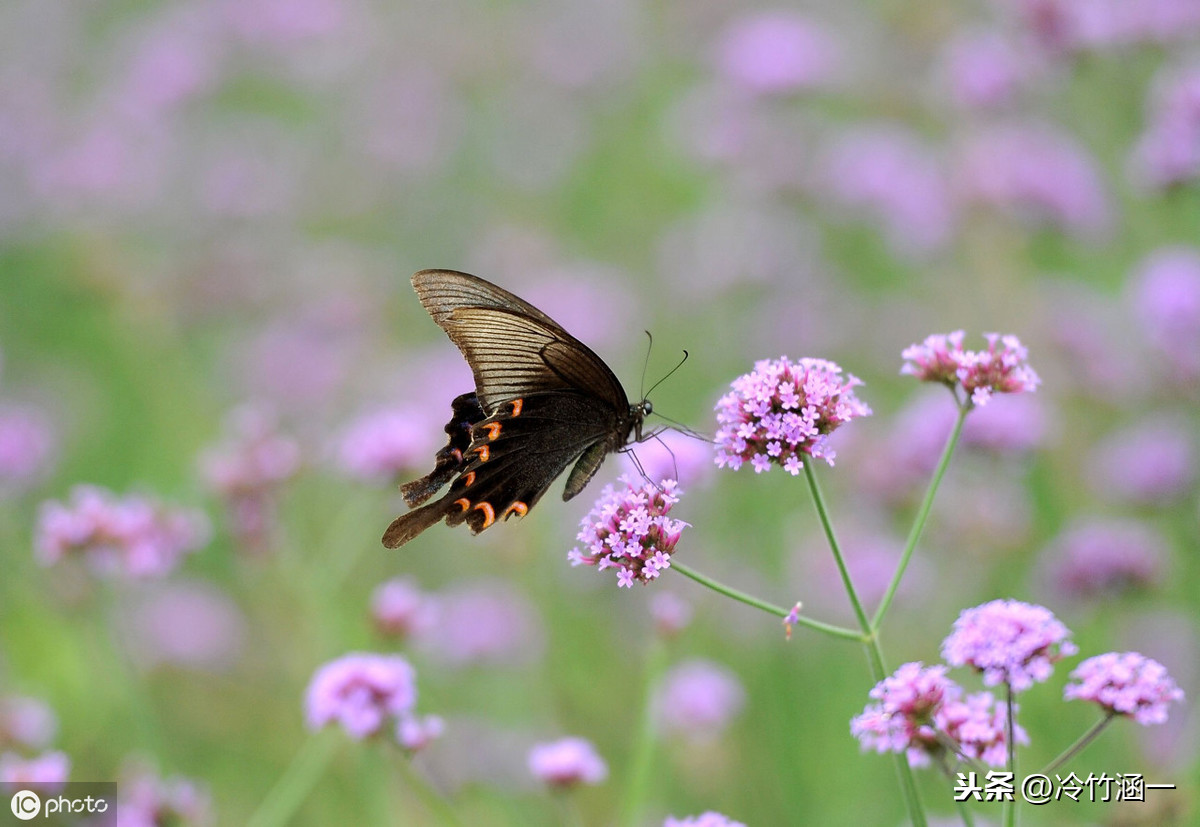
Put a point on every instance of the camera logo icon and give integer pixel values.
(26, 804)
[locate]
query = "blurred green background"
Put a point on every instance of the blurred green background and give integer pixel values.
(209, 205)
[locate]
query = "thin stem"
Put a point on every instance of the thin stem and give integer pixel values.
(433, 800)
(642, 763)
(1081, 742)
(870, 640)
(1010, 808)
(914, 535)
(293, 786)
(769, 608)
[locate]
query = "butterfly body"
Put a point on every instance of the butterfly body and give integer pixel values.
(542, 402)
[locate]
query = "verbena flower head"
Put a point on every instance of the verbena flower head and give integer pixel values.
(1101, 558)
(1001, 368)
(902, 719)
(567, 763)
(628, 530)
(415, 733)
(133, 537)
(707, 819)
(48, 771)
(1009, 642)
(361, 691)
(28, 445)
(148, 800)
(26, 723)
(783, 411)
(917, 704)
(482, 622)
(777, 52)
(1151, 462)
(1125, 683)
(698, 699)
(400, 609)
(384, 444)
(1166, 294)
(671, 613)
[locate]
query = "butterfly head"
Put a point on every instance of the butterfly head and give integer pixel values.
(637, 415)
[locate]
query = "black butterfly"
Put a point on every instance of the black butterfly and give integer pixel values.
(542, 400)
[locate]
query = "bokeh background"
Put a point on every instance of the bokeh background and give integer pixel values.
(208, 214)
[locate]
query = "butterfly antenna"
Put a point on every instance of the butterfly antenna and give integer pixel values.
(678, 365)
(645, 364)
(684, 429)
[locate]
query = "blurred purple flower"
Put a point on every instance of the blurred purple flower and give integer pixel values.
(383, 445)
(776, 52)
(48, 771)
(1070, 26)
(415, 733)
(711, 818)
(190, 623)
(1151, 461)
(672, 455)
(246, 470)
(1127, 684)
(412, 120)
(671, 613)
(984, 69)
(147, 800)
(1166, 295)
(103, 163)
(134, 537)
(284, 22)
(589, 299)
(176, 58)
(400, 609)
(980, 373)
(567, 763)
(698, 699)
(488, 622)
(628, 530)
(1009, 642)
(1103, 558)
(1038, 173)
(27, 448)
(360, 691)
(888, 174)
(26, 723)
(782, 411)
(1168, 153)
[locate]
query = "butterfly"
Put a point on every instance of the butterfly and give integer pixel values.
(542, 401)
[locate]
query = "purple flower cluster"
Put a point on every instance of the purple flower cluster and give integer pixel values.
(384, 444)
(148, 800)
(26, 723)
(567, 762)
(710, 818)
(400, 609)
(984, 69)
(1168, 153)
(27, 447)
(777, 52)
(1070, 26)
(247, 468)
(363, 692)
(1150, 462)
(1008, 641)
(1166, 294)
(628, 529)
(48, 771)
(1105, 557)
(782, 411)
(698, 699)
(1001, 368)
(918, 709)
(1037, 173)
(1125, 683)
(133, 537)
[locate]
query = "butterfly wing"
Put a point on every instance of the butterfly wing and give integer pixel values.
(513, 457)
(513, 348)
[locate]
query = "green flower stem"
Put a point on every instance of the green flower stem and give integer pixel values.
(777, 611)
(870, 640)
(1010, 806)
(297, 781)
(1077, 747)
(642, 763)
(918, 526)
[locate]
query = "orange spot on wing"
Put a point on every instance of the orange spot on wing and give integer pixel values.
(468, 478)
(463, 503)
(516, 405)
(483, 452)
(493, 429)
(519, 508)
(489, 514)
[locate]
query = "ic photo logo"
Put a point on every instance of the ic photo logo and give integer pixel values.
(26, 804)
